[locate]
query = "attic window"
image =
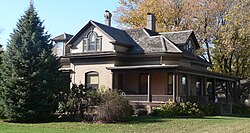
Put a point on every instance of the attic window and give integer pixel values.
(92, 42)
(190, 47)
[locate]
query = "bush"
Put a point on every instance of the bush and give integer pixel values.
(179, 109)
(241, 109)
(211, 109)
(77, 100)
(141, 112)
(114, 109)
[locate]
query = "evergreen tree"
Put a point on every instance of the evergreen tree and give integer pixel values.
(1, 57)
(30, 72)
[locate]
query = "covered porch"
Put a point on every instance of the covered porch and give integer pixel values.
(162, 83)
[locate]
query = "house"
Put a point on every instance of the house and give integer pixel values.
(149, 67)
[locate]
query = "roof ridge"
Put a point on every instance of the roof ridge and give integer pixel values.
(134, 29)
(106, 25)
(176, 31)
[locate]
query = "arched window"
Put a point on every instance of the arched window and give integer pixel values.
(92, 42)
(92, 80)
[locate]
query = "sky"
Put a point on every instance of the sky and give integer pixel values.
(59, 16)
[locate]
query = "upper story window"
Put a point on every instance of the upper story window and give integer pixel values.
(190, 47)
(59, 49)
(92, 42)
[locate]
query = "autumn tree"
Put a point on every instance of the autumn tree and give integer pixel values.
(221, 27)
(232, 43)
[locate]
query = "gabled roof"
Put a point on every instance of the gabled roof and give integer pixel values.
(63, 37)
(181, 37)
(117, 36)
(141, 40)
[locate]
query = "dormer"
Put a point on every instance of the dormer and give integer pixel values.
(185, 40)
(59, 43)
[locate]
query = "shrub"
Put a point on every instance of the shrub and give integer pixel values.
(141, 112)
(76, 100)
(171, 109)
(114, 109)
(211, 109)
(241, 109)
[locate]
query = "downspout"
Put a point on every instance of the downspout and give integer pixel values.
(161, 61)
(74, 74)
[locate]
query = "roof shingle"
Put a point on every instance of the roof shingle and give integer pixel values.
(63, 37)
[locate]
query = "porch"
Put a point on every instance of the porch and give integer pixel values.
(160, 84)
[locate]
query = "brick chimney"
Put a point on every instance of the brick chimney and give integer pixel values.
(151, 20)
(107, 16)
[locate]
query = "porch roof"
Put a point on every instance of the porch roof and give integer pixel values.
(207, 73)
(141, 67)
(176, 68)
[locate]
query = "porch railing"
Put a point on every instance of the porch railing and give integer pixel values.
(193, 99)
(158, 98)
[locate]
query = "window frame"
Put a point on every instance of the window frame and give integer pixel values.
(91, 74)
(170, 84)
(87, 41)
(190, 46)
(61, 48)
(143, 83)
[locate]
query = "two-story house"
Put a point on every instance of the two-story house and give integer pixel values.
(148, 66)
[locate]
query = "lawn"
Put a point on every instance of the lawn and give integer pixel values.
(211, 124)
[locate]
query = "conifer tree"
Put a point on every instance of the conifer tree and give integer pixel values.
(30, 72)
(1, 69)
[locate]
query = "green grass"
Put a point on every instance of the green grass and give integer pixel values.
(211, 124)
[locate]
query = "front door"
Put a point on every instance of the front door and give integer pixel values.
(143, 84)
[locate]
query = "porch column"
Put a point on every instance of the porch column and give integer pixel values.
(213, 89)
(113, 81)
(227, 90)
(174, 86)
(149, 88)
(204, 86)
(177, 87)
(235, 92)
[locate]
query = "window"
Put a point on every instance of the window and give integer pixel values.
(184, 85)
(92, 42)
(184, 80)
(59, 48)
(92, 80)
(198, 88)
(170, 84)
(190, 47)
(143, 84)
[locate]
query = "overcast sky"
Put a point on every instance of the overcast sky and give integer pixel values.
(59, 15)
